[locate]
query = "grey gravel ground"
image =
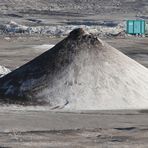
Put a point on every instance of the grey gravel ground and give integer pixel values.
(104, 129)
(68, 11)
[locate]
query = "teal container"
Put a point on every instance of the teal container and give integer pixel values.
(136, 27)
(146, 29)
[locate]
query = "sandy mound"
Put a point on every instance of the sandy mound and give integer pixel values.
(79, 73)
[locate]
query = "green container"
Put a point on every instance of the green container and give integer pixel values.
(136, 27)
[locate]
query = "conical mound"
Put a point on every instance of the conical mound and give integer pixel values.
(79, 73)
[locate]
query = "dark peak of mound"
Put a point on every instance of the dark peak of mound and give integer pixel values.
(82, 36)
(77, 33)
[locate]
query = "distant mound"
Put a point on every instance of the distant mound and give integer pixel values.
(4, 71)
(79, 73)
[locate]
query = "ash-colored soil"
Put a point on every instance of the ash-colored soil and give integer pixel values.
(71, 11)
(103, 129)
